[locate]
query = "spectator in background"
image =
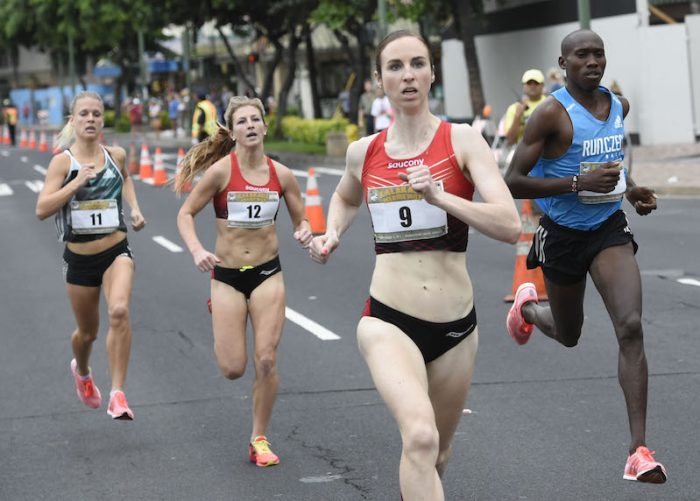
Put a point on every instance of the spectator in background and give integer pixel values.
(10, 118)
(203, 119)
(554, 80)
(518, 113)
(344, 102)
(365, 112)
(173, 110)
(381, 111)
(135, 116)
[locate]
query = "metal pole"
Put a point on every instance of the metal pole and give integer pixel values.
(186, 47)
(382, 19)
(142, 66)
(584, 14)
(71, 64)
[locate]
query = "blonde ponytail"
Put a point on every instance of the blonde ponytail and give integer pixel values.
(203, 155)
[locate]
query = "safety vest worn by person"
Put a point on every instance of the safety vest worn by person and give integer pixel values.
(209, 127)
(11, 115)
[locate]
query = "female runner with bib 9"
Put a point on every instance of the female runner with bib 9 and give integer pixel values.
(418, 178)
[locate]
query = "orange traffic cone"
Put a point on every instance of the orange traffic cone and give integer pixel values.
(521, 273)
(55, 148)
(32, 140)
(6, 135)
(43, 145)
(314, 209)
(23, 143)
(146, 167)
(187, 187)
(133, 163)
(160, 177)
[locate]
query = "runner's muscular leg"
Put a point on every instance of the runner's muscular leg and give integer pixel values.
(266, 308)
(117, 285)
(229, 314)
(449, 380)
(616, 276)
(563, 318)
(399, 374)
(85, 302)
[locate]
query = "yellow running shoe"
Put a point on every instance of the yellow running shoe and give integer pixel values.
(259, 452)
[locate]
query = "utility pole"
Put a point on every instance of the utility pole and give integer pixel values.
(71, 63)
(186, 47)
(584, 14)
(142, 65)
(382, 19)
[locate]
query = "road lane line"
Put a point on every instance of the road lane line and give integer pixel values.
(40, 169)
(306, 323)
(689, 281)
(167, 244)
(35, 186)
(5, 190)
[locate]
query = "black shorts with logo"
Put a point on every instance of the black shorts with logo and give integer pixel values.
(565, 254)
(87, 270)
(245, 280)
(432, 338)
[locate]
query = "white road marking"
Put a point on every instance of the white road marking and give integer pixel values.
(306, 323)
(35, 186)
(167, 244)
(689, 281)
(40, 169)
(24, 159)
(5, 153)
(5, 190)
(319, 170)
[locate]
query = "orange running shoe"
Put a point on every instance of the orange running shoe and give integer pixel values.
(119, 407)
(85, 387)
(518, 328)
(642, 467)
(259, 452)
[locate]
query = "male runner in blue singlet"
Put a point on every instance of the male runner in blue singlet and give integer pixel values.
(572, 151)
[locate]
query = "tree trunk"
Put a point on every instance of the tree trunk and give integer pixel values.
(355, 67)
(267, 89)
(311, 64)
(464, 17)
(236, 64)
(291, 67)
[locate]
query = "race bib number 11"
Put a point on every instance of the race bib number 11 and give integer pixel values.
(94, 216)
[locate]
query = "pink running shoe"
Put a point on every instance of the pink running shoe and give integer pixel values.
(642, 467)
(518, 328)
(259, 452)
(119, 407)
(87, 392)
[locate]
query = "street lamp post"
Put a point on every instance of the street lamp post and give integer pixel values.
(584, 14)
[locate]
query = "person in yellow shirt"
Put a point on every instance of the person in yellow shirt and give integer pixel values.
(518, 113)
(203, 120)
(10, 119)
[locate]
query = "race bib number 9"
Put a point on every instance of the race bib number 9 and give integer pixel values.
(400, 214)
(252, 209)
(94, 216)
(592, 197)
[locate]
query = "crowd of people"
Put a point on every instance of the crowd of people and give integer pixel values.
(417, 175)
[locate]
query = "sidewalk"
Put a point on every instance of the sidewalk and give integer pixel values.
(672, 170)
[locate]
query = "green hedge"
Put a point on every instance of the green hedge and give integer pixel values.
(312, 131)
(110, 118)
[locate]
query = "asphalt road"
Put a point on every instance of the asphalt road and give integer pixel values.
(546, 423)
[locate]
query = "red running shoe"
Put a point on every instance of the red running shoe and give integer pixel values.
(259, 452)
(518, 328)
(119, 407)
(87, 391)
(642, 467)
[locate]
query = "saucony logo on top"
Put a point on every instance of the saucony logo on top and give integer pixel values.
(402, 164)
